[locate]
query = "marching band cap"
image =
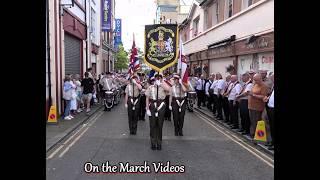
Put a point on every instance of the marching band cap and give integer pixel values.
(152, 79)
(251, 72)
(176, 76)
(157, 75)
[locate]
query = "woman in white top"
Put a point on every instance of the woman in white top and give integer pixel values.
(73, 107)
(78, 92)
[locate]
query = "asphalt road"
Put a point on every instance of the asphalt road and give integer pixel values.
(206, 151)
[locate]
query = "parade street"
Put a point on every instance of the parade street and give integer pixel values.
(207, 150)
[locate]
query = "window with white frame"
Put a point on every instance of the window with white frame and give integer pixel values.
(93, 25)
(246, 3)
(195, 27)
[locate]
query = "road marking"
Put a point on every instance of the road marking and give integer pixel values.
(73, 142)
(93, 119)
(55, 152)
(78, 137)
(258, 156)
(240, 140)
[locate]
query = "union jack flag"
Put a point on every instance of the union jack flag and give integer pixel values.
(134, 61)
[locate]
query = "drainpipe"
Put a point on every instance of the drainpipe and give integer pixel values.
(88, 42)
(48, 53)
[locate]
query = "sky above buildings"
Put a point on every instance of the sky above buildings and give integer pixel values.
(135, 14)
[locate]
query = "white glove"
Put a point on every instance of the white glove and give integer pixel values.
(126, 105)
(134, 81)
(170, 107)
(180, 81)
(158, 82)
(148, 112)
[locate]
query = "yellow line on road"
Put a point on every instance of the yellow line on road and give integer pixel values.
(255, 154)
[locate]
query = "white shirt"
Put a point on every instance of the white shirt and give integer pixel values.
(271, 100)
(236, 89)
(214, 86)
(208, 85)
(200, 84)
(221, 85)
(248, 86)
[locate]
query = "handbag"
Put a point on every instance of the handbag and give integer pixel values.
(67, 95)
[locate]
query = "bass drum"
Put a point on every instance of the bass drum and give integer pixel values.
(109, 100)
(191, 100)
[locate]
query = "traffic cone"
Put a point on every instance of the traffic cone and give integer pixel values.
(260, 134)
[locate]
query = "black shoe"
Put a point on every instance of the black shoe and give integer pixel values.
(153, 147)
(131, 133)
(180, 134)
(159, 147)
(134, 133)
(105, 109)
(176, 133)
(240, 130)
(169, 119)
(244, 133)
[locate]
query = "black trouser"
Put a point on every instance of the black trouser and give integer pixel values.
(133, 114)
(244, 115)
(200, 95)
(167, 114)
(142, 107)
(219, 106)
(226, 109)
(214, 103)
(210, 101)
(234, 116)
(270, 112)
(178, 117)
(156, 123)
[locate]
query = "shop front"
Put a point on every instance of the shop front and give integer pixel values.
(255, 53)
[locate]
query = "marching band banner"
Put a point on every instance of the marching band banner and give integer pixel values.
(161, 46)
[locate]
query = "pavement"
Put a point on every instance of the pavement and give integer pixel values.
(206, 150)
(55, 133)
(205, 111)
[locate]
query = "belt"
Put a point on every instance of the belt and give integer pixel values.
(178, 98)
(179, 103)
(159, 100)
(133, 97)
(133, 102)
(157, 104)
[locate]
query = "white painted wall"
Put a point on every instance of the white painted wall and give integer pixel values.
(244, 64)
(197, 12)
(78, 12)
(219, 65)
(257, 18)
